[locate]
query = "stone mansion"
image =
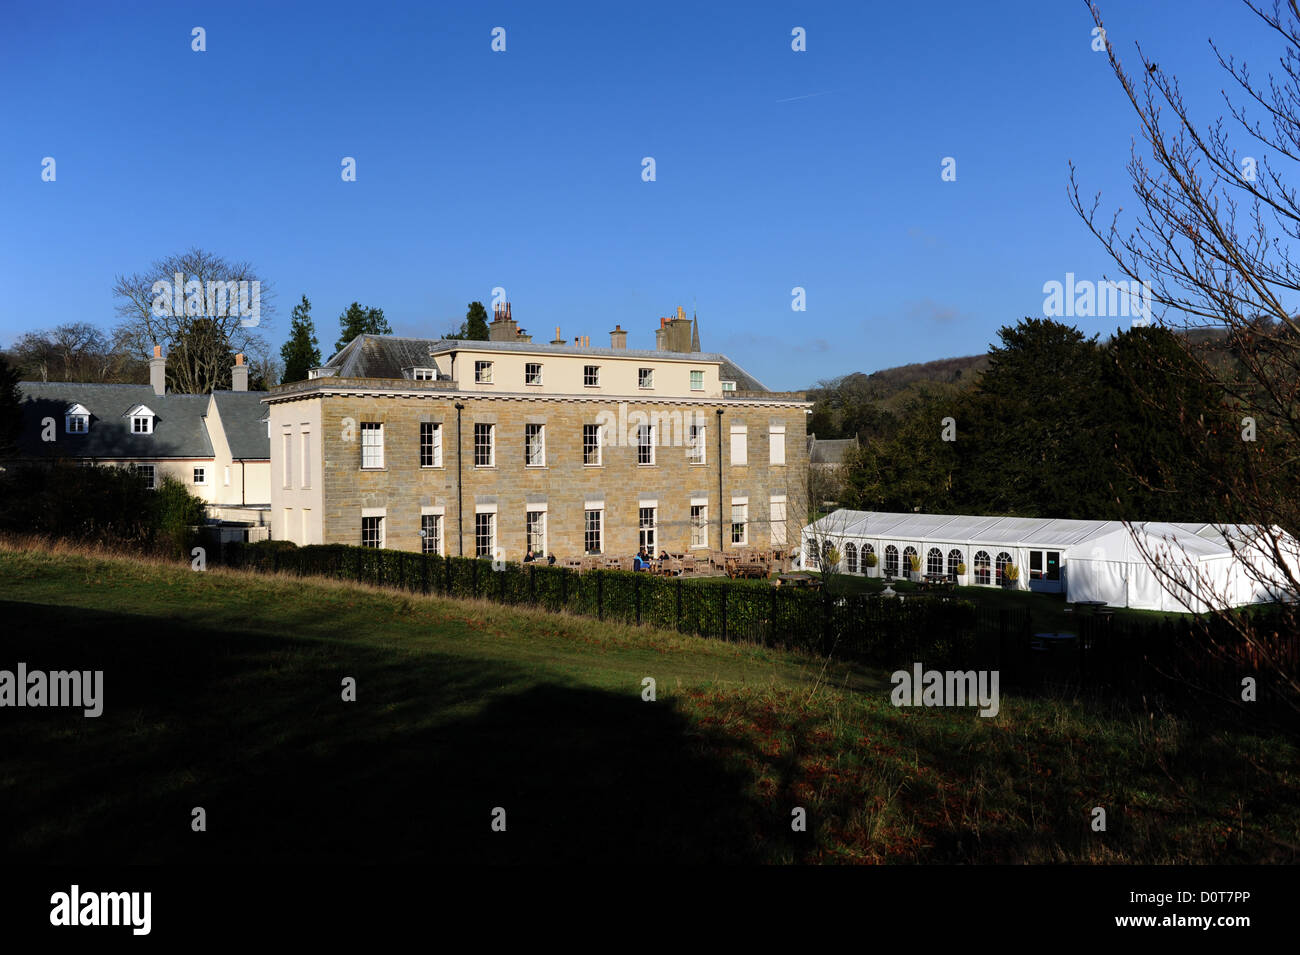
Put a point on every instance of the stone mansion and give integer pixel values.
(490, 448)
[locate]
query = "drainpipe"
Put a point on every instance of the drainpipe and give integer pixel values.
(721, 538)
(460, 508)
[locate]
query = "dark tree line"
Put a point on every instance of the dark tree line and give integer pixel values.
(1061, 425)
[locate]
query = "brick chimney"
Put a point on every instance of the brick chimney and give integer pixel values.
(503, 327)
(557, 340)
(618, 337)
(239, 374)
(158, 371)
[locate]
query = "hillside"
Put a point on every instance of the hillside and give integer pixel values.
(222, 691)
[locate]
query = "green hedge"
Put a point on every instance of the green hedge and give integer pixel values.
(862, 626)
(99, 505)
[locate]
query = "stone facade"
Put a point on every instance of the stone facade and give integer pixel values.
(340, 492)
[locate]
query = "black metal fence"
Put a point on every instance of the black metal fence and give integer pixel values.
(859, 626)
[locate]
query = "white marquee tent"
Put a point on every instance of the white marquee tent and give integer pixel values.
(1201, 564)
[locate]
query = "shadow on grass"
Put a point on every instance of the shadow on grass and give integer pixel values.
(251, 727)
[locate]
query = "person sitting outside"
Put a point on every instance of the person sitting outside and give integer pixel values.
(528, 557)
(641, 561)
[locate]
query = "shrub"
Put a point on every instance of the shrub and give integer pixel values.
(870, 560)
(178, 515)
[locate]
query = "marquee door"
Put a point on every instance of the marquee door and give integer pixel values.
(1045, 571)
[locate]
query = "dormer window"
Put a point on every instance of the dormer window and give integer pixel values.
(425, 374)
(728, 386)
(141, 420)
(76, 420)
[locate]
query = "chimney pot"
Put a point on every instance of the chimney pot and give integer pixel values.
(158, 371)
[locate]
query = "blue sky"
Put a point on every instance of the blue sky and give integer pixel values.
(522, 169)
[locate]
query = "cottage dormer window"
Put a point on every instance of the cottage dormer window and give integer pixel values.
(141, 420)
(76, 420)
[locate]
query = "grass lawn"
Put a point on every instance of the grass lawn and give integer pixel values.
(223, 690)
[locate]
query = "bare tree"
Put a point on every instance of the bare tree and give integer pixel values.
(201, 322)
(76, 351)
(1212, 237)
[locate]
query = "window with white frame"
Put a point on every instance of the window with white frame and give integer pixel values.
(699, 525)
(934, 562)
(485, 534)
(777, 505)
(739, 445)
(591, 445)
(697, 381)
(696, 442)
(200, 475)
(306, 459)
(954, 558)
(76, 420)
(372, 444)
(483, 372)
(645, 377)
(425, 374)
(740, 521)
(286, 447)
(431, 533)
(645, 444)
(728, 386)
(430, 444)
(591, 376)
(484, 445)
(776, 444)
(372, 532)
(141, 424)
(535, 531)
(535, 445)
(593, 541)
(648, 535)
(533, 373)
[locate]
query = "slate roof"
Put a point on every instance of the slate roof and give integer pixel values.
(830, 451)
(391, 356)
(180, 428)
(244, 417)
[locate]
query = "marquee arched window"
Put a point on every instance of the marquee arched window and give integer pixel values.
(954, 558)
(851, 558)
(983, 568)
(1001, 565)
(891, 560)
(934, 562)
(908, 554)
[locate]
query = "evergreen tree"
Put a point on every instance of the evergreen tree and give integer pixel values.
(359, 320)
(11, 416)
(1027, 441)
(476, 323)
(301, 352)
